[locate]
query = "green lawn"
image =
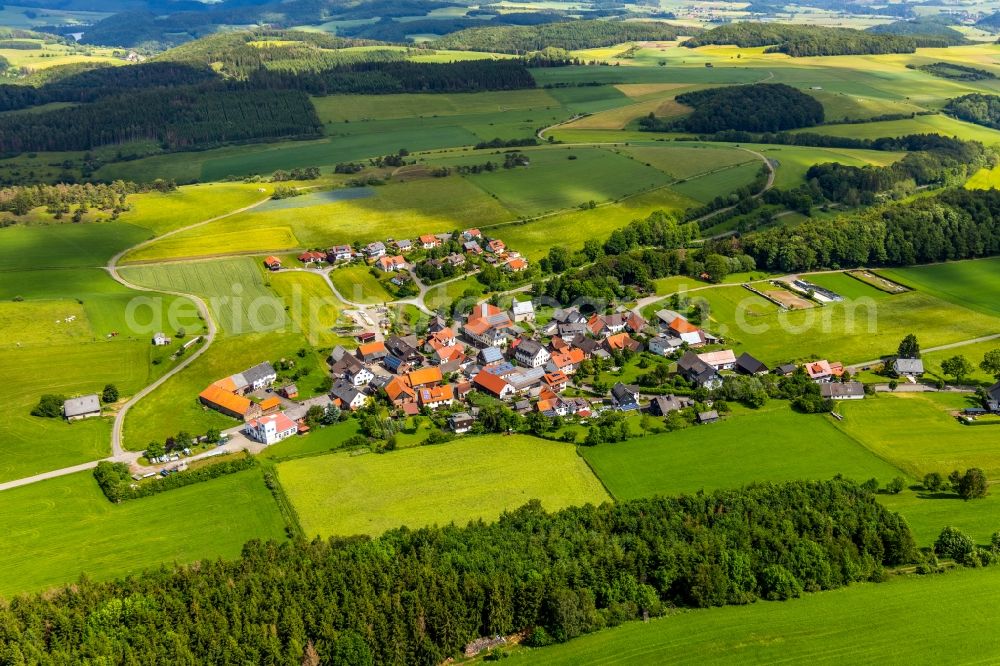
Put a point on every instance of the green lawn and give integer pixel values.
(461, 481)
(885, 623)
(357, 284)
(56, 530)
(972, 283)
(771, 444)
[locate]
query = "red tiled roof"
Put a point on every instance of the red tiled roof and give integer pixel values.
(431, 375)
(490, 382)
(281, 421)
(681, 325)
(220, 397)
(372, 348)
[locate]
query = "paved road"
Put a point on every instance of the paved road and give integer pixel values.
(48, 475)
(117, 450)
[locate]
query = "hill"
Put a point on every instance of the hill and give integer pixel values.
(802, 40)
(761, 107)
(567, 36)
(924, 28)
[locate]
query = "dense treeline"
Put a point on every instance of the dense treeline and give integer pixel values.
(567, 36)
(419, 596)
(950, 70)
(21, 199)
(956, 224)
(976, 108)
(760, 107)
(402, 77)
(93, 84)
(801, 40)
(181, 118)
(924, 28)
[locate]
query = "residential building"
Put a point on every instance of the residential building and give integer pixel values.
(531, 353)
(525, 379)
(372, 351)
(161, 340)
(687, 332)
(993, 398)
(496, 246)
(430, 241)
(708, 417)
(389, 264)
(428, 376)
(569, 316)
(83, 407)
(259, 376)
(472, 247)
(312, 257)
(219, 397)
(662, 405)
(819, 371)
(290, 391)
(272, 263)
(353, 370)
(404, 245)
(556, 381)
(434, 397)
(455, 259)
(625, 397)
(271, 429)
(493, 384)
(601, 326)
(748, 365)
(346, 395)
(490, 356)
(341, 253)
(786, 370)
(565, 362)
(908, 367)
(399, 391)
(572, 332)
(488, 325)
(461, 422)
(635, 323)
(404, 347)
(375, 250)
(621, 342)
(516, 265)
(842, 390)
(522, 311)
(720, 360)
(472, 234)
(696, 371)
(664, 344)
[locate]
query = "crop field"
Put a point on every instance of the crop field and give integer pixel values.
(709, 186)
(397, 210)
(34, 444)
(357, 284)
(313, 309)
(984, 179)
(620, 117)
(852, 331)
(920, 125)
(56, 530)
(770, 444)
(354, 108)
(972, 284)
(917, 433)
(859, 624)
(688, 160)
(457, 482)
(236, 290)
(174, 405)
(65, 245)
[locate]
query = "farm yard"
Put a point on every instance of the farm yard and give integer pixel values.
(472, 479)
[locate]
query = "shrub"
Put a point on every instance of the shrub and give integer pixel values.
(49, 406)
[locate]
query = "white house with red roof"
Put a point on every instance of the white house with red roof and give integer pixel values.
(488, 325)
(271, 429)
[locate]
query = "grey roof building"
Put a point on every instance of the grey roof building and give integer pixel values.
(842, 391)
(82, 407)
(908, 366)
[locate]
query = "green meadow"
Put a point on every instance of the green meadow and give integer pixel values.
(971, 283)
(357, 284)
(867, 623)
(770, 444)
(469, 479)
(313, 308)
(57, 530)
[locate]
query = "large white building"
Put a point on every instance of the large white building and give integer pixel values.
(272, 429)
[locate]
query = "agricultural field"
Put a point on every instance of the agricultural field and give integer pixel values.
(65, 245)
(709, 186)
(971, 283)
(769, 444)
(687, 160)
(357, 284)
(56, 530)
(313, 309)
(861, 624)
(457, 482)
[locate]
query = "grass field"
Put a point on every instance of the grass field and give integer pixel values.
(972, 284)
(708, 187)
(174, 406)
(855, 330)
(354, 108)
(357, 284)
(65, 245)
(687, 160)
(771, 444)
(163, 212)
(56, 530)
(974, 352)
(862, 624)
(235, 289)
(938, 124)
(460, 481)
(313, 309)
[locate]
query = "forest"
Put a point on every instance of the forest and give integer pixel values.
(950, 70)
(932, 27)
(802, 40)
(178, 118)
(419, 596)
(760, 107)
(955, 224)
(976, 108)
(567, 36)
(57, 199)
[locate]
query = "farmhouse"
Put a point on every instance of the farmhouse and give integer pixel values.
(496, 246)
(908, 367)
(680, 327)
(161, 340)
(697, 371)
(402, 348)
(259, 376)
(472, 234)
(472, 247)
(493, 384)
(490, 356)
(525, 379)
(271, 429)
(272, 263)
(566, 362)
(270, 405)
(625, 397)
(218, 397)
(347, 396)
(400, 392)
(530, 353)
(404, 245)
(842, 391)
(819, 371)
(425, 377)
(664, 344)
(83, 407)
(621, 341)
(516, 265)
(353, 370)
(389, 264)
